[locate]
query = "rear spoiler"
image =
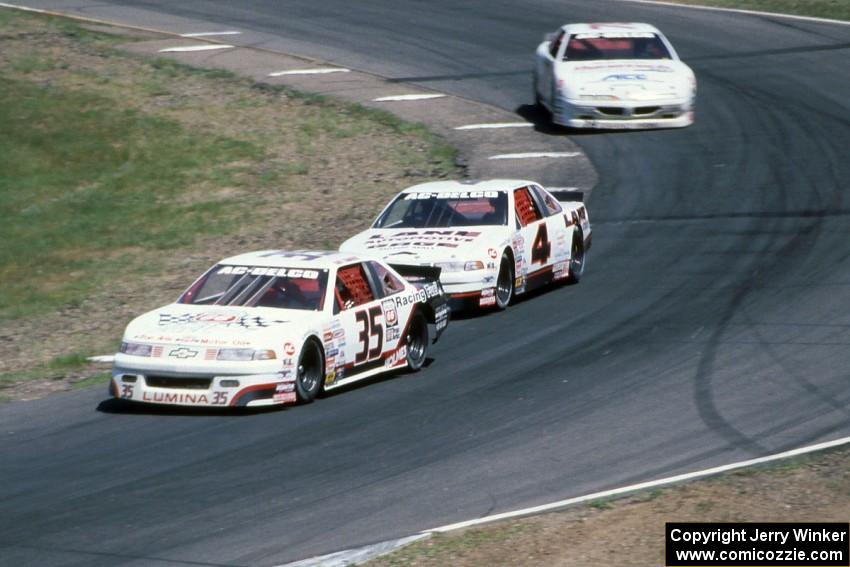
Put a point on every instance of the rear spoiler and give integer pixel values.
(565, 196)
(410, 271)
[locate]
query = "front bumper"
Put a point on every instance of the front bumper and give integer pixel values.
(200, 389)
(617, 115)
(470, 289)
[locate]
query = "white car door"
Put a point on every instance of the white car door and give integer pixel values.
(534, 232)
(362, 319)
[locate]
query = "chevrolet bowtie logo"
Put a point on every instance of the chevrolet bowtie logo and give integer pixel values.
(183, 352)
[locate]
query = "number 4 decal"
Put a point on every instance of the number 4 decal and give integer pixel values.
(542, 248)
(371, 327)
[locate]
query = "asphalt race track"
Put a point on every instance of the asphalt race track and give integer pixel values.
(712, 325)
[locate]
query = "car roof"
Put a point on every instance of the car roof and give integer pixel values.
(314, 259)
(470, 185)
(609, 27)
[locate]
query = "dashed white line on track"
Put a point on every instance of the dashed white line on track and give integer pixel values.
(531, 155)
(495, 125)
(309, 72)
(208, 34)
(407, 97)
(188, 48)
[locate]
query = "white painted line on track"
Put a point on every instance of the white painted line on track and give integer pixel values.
(357, 555)
(208, 34)
(642, 486)
(739, 11)
(102, 358)
(322, 71)
(189, 48)
(495, 125)
(407, 97)
(531, 155)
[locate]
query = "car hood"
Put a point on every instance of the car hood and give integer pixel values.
(625, 80)
(220, 326)
(424, 246)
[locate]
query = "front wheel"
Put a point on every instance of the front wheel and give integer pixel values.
(417, 341)
(505, 282)
(311, 366)
(578, 258)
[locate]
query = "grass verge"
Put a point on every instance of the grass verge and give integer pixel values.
(122, 177)
(630, 531)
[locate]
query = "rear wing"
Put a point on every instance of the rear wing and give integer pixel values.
(413, 273)
(567, 195)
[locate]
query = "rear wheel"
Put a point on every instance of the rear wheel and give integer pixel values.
(578, 257)
(417, 341)
(308, 380)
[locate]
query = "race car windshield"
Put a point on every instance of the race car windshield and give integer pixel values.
(447, 209)
(256, 286)
(601, 46)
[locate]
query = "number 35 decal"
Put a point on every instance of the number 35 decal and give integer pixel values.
(371, 327)
(542, 248)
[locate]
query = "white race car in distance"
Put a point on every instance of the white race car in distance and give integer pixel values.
(613, 76)
(276, 327)
(491, 239)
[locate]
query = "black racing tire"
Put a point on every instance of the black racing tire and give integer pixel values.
(417, 341)
(310, 372)
(578, 258)
(505, 282)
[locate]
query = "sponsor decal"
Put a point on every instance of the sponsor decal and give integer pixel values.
(183, 353)
(191, 339)
(156, 351)
(218, 319)
(392, 333)
(422, 239)
(285, 397)
(614, 35)
(330, 378)
(419, 296)
(646, 67)
(560, 270)
(492, 252)
(279, 272)
(390, 313)
(396, 357)
(452, 195)
(487, 301)
(285, 387)
(338, 333)
(328, 337)
(626, 77)
(185, 398)
(332, 352)
(289, 349)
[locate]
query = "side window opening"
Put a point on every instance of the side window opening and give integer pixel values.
(556, 44)
(526, 210)
(549, 203)
(386, 283)
(352, 287)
